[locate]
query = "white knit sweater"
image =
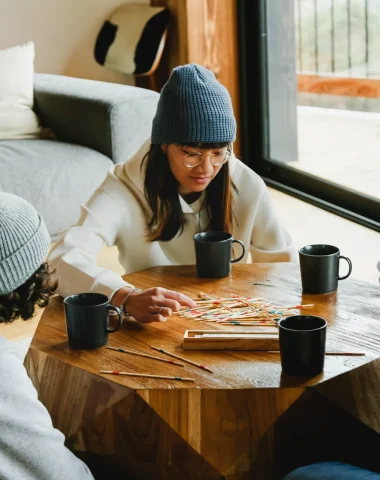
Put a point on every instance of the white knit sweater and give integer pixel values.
(118, 213)
(30, 447)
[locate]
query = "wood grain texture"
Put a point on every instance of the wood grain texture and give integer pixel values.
(224, 425)
(348, 87)
(72, 396)
(314, 429)
(357, 394)
(137, 437)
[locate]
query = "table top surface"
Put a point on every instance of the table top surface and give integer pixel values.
(353, 314)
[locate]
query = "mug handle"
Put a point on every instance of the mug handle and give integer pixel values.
(234, 260)
(117, 310)
(349, 268)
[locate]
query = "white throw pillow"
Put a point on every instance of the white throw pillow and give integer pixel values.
(17, 119)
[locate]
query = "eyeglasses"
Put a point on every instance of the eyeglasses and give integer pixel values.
(193, 159)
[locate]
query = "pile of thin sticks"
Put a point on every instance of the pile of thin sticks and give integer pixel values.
(238, 310)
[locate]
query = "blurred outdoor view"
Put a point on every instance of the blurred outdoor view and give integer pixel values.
(338, 71)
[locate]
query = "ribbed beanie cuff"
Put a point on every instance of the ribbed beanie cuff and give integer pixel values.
(24, 242)
(19, 267)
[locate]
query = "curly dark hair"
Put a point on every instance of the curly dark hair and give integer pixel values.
(37, 290)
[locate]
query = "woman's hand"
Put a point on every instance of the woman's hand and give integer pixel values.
(152, 305)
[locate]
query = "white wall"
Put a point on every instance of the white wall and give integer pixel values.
(64, 33)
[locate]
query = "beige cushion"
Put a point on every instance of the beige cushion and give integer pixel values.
(17, 119)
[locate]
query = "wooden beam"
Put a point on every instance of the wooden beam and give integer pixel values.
(348, 87)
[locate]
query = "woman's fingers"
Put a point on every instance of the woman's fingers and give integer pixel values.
(180, 298)
(169, 303)
(163, 314)
(163, 311)
(156, 304)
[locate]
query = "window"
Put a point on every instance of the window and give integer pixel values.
(310, 101)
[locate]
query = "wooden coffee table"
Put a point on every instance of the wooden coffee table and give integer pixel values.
(245, 420)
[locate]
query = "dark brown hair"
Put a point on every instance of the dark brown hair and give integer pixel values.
(161, 192)
(37, 290)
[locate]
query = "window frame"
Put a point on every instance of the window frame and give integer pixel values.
(255, 147)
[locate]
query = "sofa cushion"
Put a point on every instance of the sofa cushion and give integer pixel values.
(17, 118)
(112, 119)
(133, 38)
(55, 177)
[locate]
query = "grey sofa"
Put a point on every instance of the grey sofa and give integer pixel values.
(95, 124)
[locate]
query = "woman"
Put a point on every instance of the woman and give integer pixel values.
(185, 180)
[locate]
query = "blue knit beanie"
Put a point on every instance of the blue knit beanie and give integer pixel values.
(24, 242)
(193, 107)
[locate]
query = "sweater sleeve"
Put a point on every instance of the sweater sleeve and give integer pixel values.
(270, 242)
(30, 447)
(74, 255)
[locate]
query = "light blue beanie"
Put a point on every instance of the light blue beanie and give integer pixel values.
(24, 242)
(193, 107)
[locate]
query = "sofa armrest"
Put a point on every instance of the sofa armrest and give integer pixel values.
(113, 119)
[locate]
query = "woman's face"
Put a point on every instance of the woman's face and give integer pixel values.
(197, 178)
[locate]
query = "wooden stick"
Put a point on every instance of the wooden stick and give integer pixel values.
(181, 358)
(140, 354)
(234, 307)
(206, 311)
(215, 300)
(145, 375)
(229, 318)
(244, 319)
(248, 324)
(205, 308)
(291, 307)
(349, 354)
(256, 308)
(221, 333)
(238, 332)
(205, 296)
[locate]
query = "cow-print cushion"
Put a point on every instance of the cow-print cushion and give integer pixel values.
(131, 40)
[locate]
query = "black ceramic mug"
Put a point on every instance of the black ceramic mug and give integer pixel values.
(213, 252)
(319, 266)
(87, 320)
(302, 345)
